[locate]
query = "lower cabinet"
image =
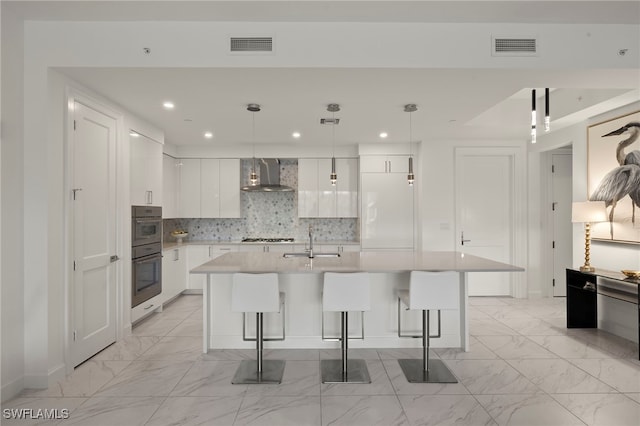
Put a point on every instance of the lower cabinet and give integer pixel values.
(196, 256)
(582, 300)
(174, 272)
(145, 308)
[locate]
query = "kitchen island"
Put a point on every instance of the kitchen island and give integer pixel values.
(301, 279)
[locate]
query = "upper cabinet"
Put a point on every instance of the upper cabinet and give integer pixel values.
(318, 198)
(146, 171)
(384, 164)
(209, 188)
(169, 187)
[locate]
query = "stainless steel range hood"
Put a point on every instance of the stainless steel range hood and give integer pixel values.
(269, 177)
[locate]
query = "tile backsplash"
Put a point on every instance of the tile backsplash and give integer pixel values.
(266, 215)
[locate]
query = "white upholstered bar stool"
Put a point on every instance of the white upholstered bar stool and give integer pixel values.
(257, 293)
(344, 292)
(428, 291)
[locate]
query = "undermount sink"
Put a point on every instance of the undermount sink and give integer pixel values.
(307, 254)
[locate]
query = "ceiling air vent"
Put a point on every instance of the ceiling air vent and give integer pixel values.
(251, 44)
(515, 46)
(333, 121)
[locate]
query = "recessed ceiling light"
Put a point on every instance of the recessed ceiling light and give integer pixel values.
(383, 135)
(134, 134)
(208, 135)
(296, 135)
(168, 105)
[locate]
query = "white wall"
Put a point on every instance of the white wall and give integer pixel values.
(68, 44)
(13, 294)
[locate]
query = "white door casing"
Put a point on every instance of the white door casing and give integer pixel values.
(561, 189)
(485, 204)
(93, 229)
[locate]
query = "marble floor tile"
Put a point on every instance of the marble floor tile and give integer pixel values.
(622, 374)
(152, 326)
(193, 411)
(445, 410)
(489, 327)
(19, 415)
(180, 313)
(569, 346)
(228, 355)
(559, 376)
(634, 396)
(85, 380)
(380, 383)
(491, 377)
(527, 410)
(515, 347)
(534, 326)
(291, 354)
(602, 410)
(475, 313)
(189, 327)
(280, 411)
(146, 378)
(110, 411)
(404, 353)
(190, 300)
(362, 410)
(402, 387)
(300, 378)
(128, 349)
(210, 378)
(476, 351)
(355, 353)
(504, 312)
(488, 301)
(176, 348)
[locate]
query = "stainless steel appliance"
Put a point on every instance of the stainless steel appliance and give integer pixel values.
(146, 253)
(267, 240)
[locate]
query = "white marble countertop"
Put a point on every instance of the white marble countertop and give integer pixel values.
(172, 245)
(378, 261)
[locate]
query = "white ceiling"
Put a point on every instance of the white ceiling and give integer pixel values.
(452, 103)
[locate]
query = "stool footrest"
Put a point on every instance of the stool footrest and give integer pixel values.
(437, 371)
(357, 371)
(247, 373)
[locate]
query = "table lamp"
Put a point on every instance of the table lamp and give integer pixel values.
(588, 212)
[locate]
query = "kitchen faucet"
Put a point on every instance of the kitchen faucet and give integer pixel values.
(310, 242)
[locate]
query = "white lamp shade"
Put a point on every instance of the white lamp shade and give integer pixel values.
(588, 212)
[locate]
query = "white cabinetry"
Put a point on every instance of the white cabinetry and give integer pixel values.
(169, 187)
(336, 248)
(318, 198)
(197, 255)
(146, 171)
(209, 188)
(273, 248)
(174, 272)
(384, 164)
(387, 205)
(145, 308)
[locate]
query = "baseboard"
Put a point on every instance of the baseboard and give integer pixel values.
(12, 389)
(192, 291)
(36, 382)
(57, 374)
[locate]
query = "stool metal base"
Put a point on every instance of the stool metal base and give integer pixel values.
(247, 373)
(437, 373)
(357, 371)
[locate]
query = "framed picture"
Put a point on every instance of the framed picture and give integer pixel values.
(613, 176)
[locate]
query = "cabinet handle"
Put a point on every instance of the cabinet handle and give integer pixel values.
(176, 255)
(225, 249)
(589, 286)
(149, 197)
(389, 166)
(210, 250)
(149, 307)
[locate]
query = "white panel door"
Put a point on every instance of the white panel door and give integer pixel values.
(230, 188)
(210, 188)
(94, 232)
(562, 228)
(484, 214)
(189, 193)
(387, 211)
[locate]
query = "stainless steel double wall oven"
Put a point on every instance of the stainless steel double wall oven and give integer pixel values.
(146, 253)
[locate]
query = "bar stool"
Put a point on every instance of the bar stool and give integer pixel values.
(344, 292)
(428, 291)
(257, 293)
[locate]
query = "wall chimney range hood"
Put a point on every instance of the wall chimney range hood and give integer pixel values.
(269, 178)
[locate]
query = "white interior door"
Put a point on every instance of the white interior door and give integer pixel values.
(485, 213)
(94, 232)
(562, 236)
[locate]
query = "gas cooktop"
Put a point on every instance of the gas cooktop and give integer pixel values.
(267, 240)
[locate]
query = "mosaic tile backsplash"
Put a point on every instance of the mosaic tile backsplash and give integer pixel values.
(266, 215)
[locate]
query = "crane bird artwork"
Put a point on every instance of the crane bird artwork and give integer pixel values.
(623, 180)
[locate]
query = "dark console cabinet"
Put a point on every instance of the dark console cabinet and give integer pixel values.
(582, 303)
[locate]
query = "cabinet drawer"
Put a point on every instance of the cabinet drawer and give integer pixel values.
(581, 280)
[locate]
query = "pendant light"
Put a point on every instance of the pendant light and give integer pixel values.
(253, 176)
(534, 118)
(547, 116)
(333, 108)
(410, 108)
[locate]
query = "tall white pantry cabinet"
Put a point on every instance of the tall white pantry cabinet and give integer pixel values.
(387, 203)
(146, 171)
